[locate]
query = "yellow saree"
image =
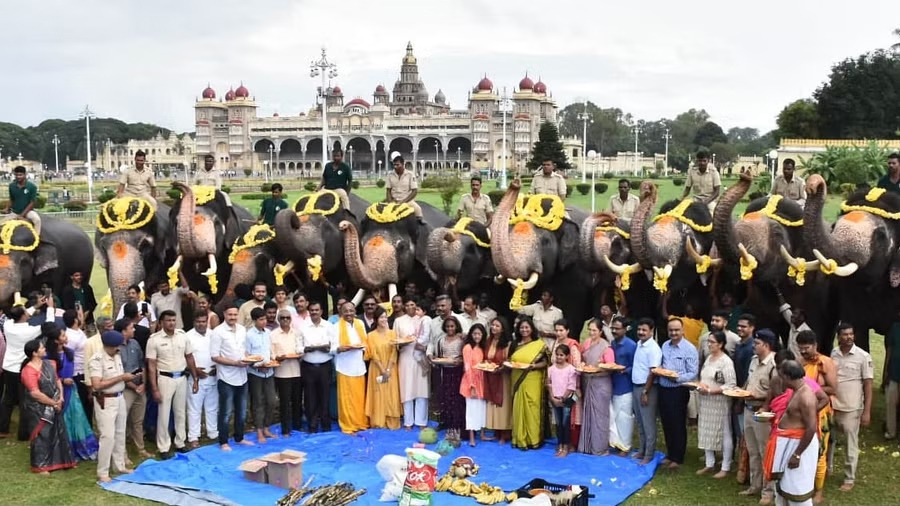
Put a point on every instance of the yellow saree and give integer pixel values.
(528, 396)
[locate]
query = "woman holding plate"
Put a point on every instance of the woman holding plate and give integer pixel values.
(449, 358)
(383, 393)
(714, 421)
(597, 390)
(497, 390)
(528, 381)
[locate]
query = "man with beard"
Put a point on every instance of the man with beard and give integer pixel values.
(647, 356)
(719, 322)
(756, 434)
(258, 301)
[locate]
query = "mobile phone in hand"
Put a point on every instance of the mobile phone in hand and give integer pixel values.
(137, 371)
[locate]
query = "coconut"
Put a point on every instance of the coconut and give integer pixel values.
(428, 436)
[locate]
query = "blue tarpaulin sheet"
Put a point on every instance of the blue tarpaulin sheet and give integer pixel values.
(210, 476)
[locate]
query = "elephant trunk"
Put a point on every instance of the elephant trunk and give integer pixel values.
(500, 228)
(593, 244)
(723, 226)
(287, 225)
(125, 268)
(639, 224)
(380, 267)
(243, 271)
(814, 232)
(515, 257)
(444, 255)
(11, 274)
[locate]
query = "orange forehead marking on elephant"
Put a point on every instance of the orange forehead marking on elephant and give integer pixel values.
(665, 220)
(855, 216)
(4, 261)
(755, 215)
(523, 227)
(243, 256)
(376, 241)
(303, 218)
(119, 249)
(199, 219)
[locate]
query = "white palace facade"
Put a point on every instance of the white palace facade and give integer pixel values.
(408, 119)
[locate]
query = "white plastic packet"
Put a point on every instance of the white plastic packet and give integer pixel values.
(392, 469)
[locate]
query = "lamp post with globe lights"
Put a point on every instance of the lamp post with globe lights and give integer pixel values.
(458, 161)
(269, 167)
(637, 132)
(504, 105)
(594, 157)
(585, 119)
(667, 137)
(327, 70)
(773, 159)
(87, 114)
(350, 150)
(55, 142)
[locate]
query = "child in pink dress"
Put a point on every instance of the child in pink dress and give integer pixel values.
(561, 384)
(472, 385)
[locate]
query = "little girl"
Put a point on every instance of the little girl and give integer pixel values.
(472, 385)
(561, 386)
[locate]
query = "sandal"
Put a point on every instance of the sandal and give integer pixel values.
(195, 445)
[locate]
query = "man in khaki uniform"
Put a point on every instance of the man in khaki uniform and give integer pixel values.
(788, 185)
(402, 187)
(108, 379)
(544, 315)
(138, 181)
(476, 205)
(756, 434)
(703, 182)
(169, 354)
(549, 182)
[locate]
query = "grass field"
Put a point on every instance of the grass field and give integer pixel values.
(878, 467)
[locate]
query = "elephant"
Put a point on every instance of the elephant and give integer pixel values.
(535, 248)
(205, 229)
(133, 243)
(309, 234)
(459, 254)
(252, 258)
(28, 261)
(389, 247)
(662, 248)
(768, 248)
(861, 252)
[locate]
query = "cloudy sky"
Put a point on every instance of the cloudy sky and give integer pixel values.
(149, 61)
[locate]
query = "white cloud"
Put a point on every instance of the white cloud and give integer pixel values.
(149, 61)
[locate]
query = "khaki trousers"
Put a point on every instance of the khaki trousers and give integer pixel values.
(416, 209)
(848, 423)
(111, 426)
(136, 405)
(345, 199)
(756, 434)
(174, 399)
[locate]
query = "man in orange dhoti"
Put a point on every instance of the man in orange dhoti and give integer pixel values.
(350, 365)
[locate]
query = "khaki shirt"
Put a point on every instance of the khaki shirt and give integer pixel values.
(554, 184)
(205, 177)
(543, 318)
(244, 312)
(624, 210)
(795, 190)
(852, 370)
(761, 372)
(401, 186)
(137, 182)
(105, 367)
(169, 351)
(477, 209)
(702, 185)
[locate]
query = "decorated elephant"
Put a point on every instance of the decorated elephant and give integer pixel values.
(535, 247)
(133, 243)
(28, 261)
(861, 254)
(661, 246)
(766, 248)
(389, 247)
(459, 254)
(205, 229)
(309, 235)
(252, 258)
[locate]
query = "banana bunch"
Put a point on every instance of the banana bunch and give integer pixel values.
(489, 494)
(463, 487)
(444, 483)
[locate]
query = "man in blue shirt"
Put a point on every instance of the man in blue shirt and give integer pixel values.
(623, 412)
(260, 377)
(679, 356)
(647, 356)
(743, 356)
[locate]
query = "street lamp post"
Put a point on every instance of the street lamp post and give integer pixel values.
(271, 151)
(592, 156)
(87, 114)
(326, 69)
(585, 119)
(504, 103)
(379, 168)
(458, 161)
(437, 155)
(637, 132)
(773, 159)
(350, 150)
(667, 137)
(55, 142)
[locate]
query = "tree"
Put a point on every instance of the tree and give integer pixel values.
(738, 135)
(725, 153)
(708, 134)
(609, 130)
(799, 120)
(548, 147)
(861, 99)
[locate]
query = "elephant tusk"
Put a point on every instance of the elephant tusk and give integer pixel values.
(704, 262)
(661, 277)
(830, 266)
(357, 298)
(793, 262)
(392, 291)
(499, 279)
(212, 265)
(748, 263)
(748, 258)
(528, 285)
(621, 269)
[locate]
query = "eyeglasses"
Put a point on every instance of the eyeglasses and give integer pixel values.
(284, 317)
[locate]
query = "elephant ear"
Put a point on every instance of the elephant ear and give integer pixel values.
(568, 245)
(420, 239)
(45, 259)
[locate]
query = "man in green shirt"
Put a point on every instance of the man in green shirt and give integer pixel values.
(22, 196)
(272, 205)
(337, 177)
(891, 180)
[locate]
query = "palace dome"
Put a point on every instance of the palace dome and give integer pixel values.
(380, 89)
(241, 92)
(439, 97)
(209, 93)
(337, 91)
(229, 95)
(358, 101)
(540, 87)
(485, 84)
(526, 83)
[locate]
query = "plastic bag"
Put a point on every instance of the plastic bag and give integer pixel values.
(420, 477)
(392, 469)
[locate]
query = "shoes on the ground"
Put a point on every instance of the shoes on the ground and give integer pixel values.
(166, 455)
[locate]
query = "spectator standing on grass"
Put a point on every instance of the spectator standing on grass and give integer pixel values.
(271, 205)
(17, 332)
(79, 295)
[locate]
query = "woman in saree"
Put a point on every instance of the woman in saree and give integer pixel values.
(81, 436)
(497, 387)
(528, 387)
(597, 390)
(42, 409)
(383, 394)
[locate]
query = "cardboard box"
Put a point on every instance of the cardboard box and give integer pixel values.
(285, 469)
(255, 470)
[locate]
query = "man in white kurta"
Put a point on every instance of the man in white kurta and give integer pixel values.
(413, 372)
